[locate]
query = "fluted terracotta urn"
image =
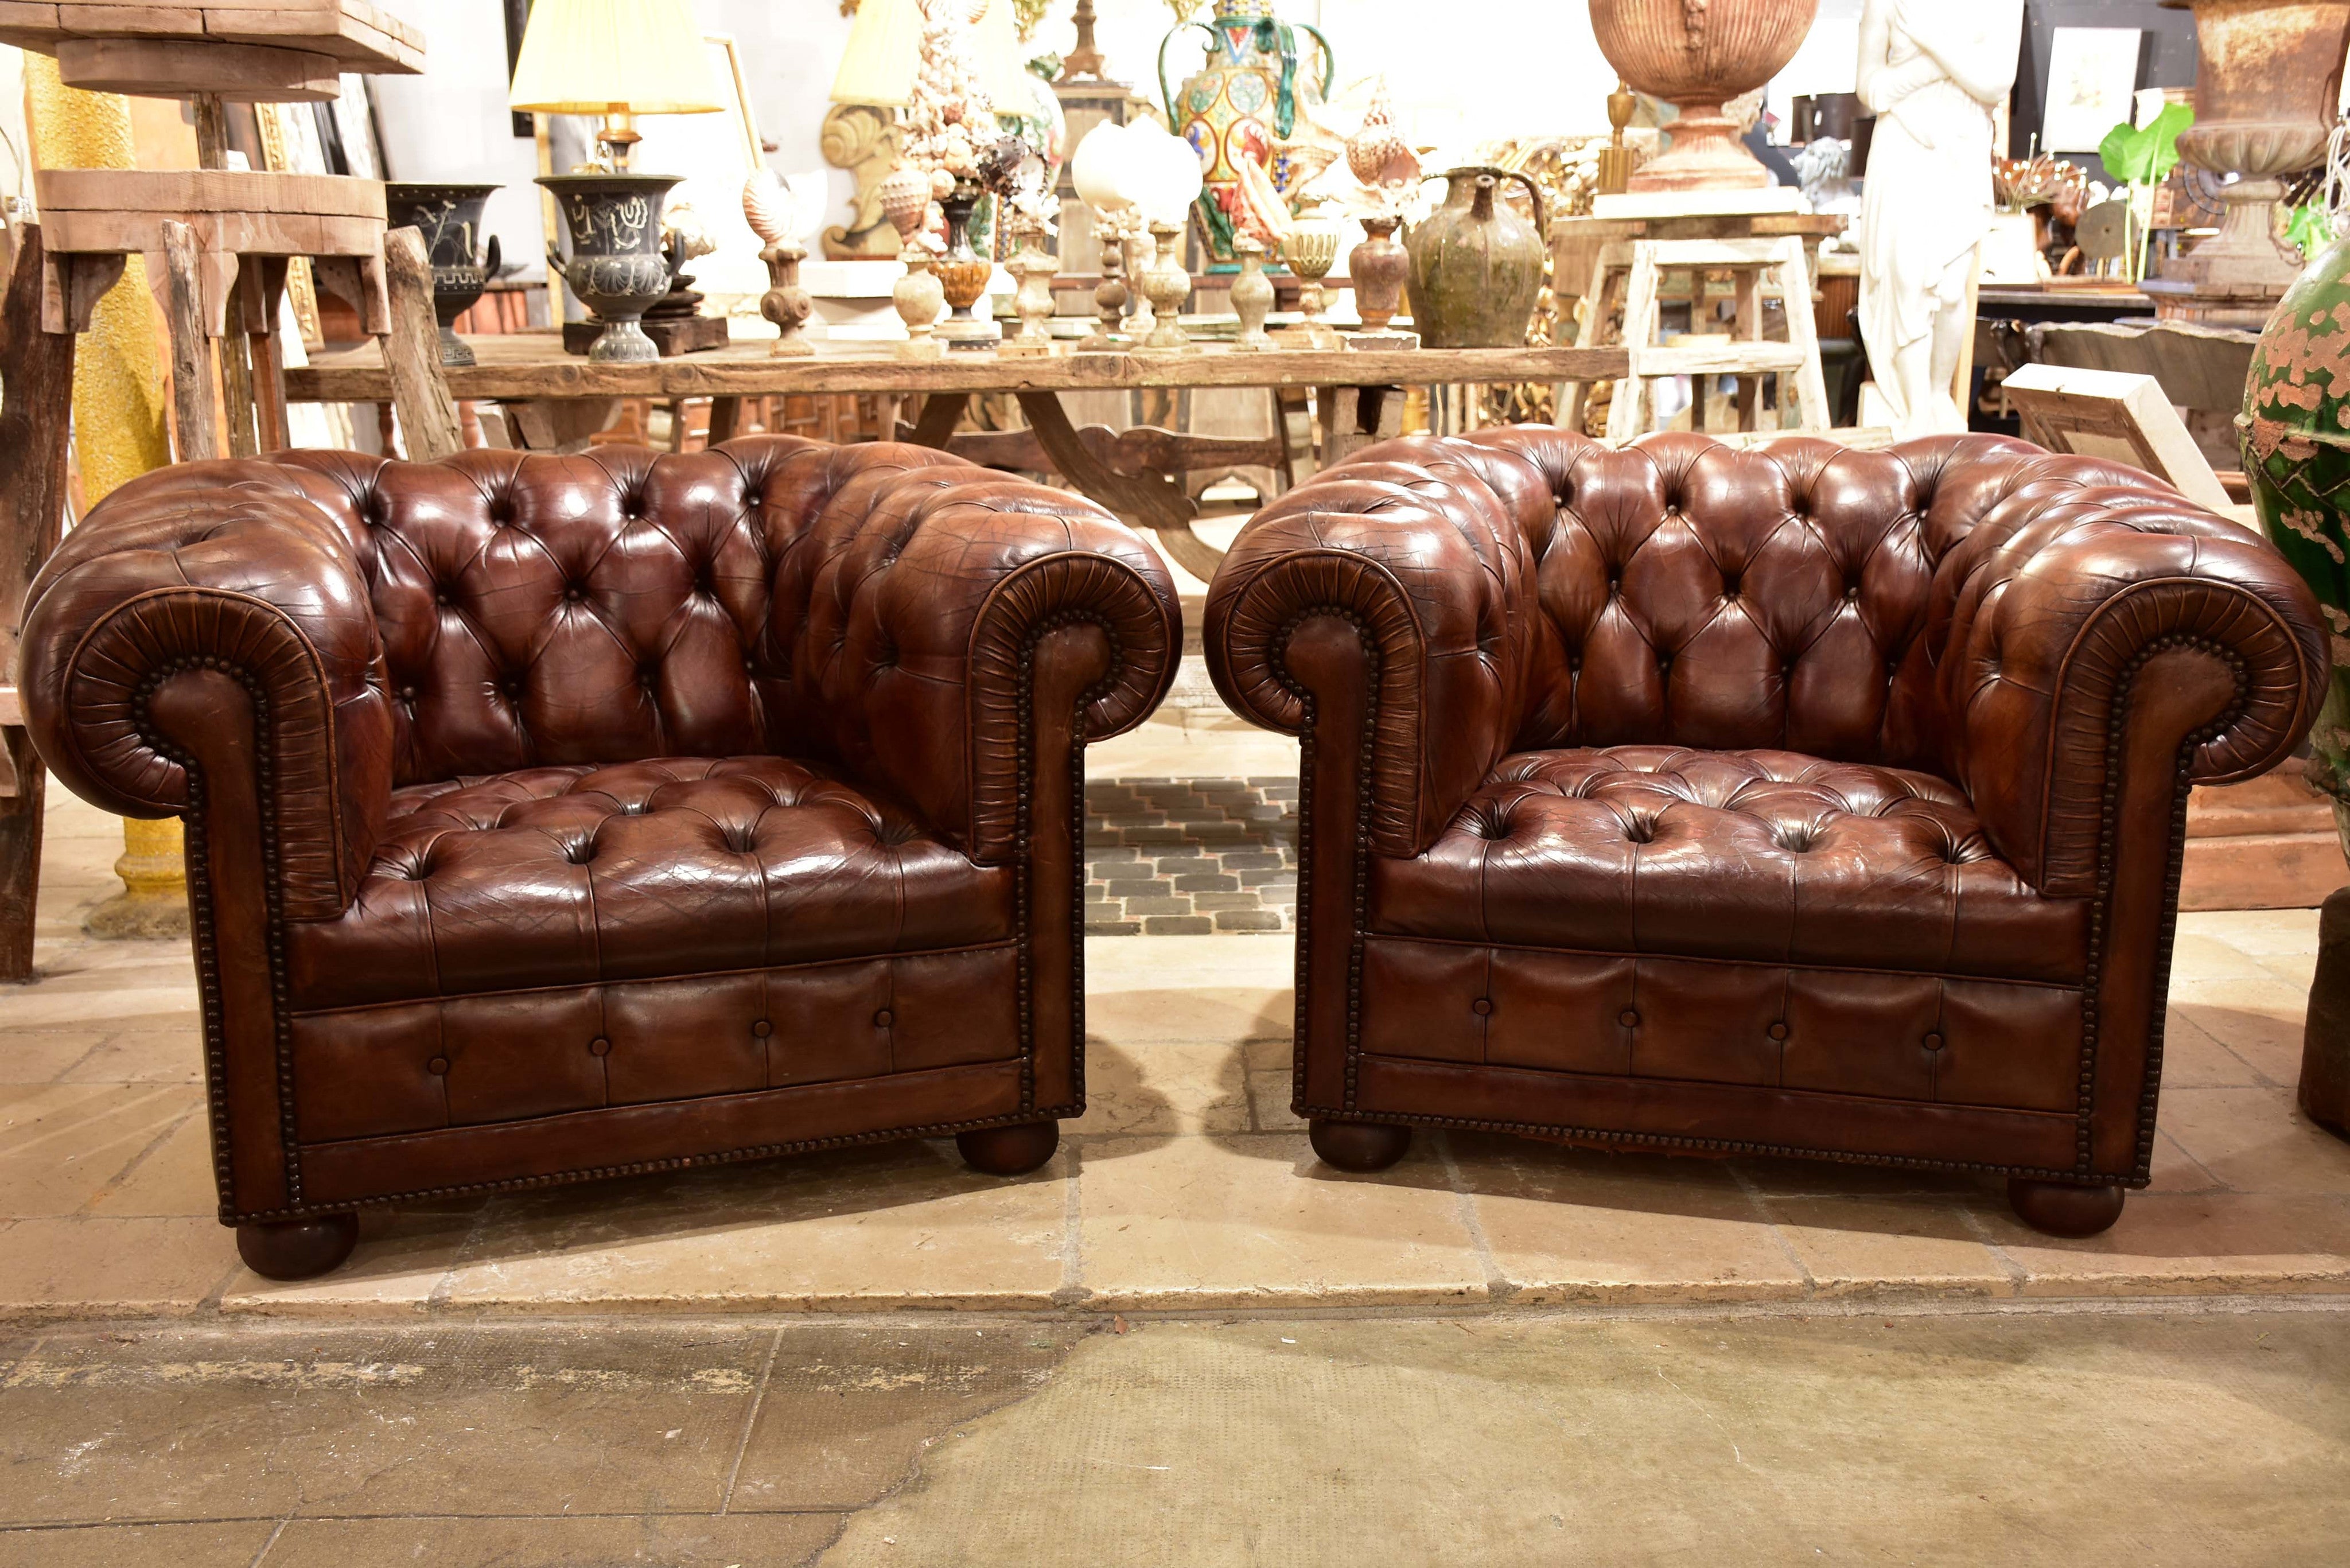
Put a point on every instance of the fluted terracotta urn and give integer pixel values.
(1698, 55)
(2268, 77)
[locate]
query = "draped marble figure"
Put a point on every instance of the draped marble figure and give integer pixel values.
(1933, 73)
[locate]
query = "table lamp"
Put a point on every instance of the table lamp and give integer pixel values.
(616, 59)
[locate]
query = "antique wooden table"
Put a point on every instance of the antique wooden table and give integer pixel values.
(1135, 472)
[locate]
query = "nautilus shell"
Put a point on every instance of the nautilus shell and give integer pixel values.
(768, 207)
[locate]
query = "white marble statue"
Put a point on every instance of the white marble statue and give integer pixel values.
(1933, 73)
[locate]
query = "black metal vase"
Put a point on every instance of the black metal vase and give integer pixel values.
(616, 268)
(450, 217)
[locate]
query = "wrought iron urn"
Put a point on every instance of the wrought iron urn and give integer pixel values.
(617, 268)
(450, 217)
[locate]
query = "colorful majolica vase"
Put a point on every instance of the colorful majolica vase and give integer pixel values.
(1241, 101)
(2296, 437)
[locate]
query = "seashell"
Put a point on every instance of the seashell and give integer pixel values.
(905, 196)
(768, 207)
(1376, 154)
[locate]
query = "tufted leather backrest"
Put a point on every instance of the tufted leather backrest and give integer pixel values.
(1784, 597)
(607, 608)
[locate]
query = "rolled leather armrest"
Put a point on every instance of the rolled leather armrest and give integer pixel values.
(217, 569)
(1422, 544)
(2091, 622)
(933, 591)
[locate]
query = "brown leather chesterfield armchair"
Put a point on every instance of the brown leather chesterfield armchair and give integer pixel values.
(1800, 802)
(550, 818)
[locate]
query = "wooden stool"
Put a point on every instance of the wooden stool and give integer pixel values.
(1636, 267)
(246, 225)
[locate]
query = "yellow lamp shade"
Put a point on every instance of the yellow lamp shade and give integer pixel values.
(885, 50)
(604, 56)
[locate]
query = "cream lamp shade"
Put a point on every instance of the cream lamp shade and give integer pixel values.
(885, 50)
(614, 56)
(1009, 85)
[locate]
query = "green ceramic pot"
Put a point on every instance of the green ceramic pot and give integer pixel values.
(2296, 437)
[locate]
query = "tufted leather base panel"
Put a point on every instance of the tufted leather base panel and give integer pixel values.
(1756, 856)
(1916, 1037)
(625, 1138)
(578, 876)
(410, 1067)
(1714, 1119)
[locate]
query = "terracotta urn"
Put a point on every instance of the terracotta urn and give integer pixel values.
(2268, 77)
(1378, 267)
(1698, 55)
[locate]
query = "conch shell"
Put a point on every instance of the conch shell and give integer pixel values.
(1376, 154)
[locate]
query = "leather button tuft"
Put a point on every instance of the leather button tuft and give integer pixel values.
(882, 1018)
(599, 1046)
(1482, 1007)
(1629, 1018)
(438, 1066)
(762, 1029)
(1777, 1032)
(1934, 1040)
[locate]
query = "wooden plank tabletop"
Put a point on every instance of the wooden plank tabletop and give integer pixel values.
(523, 366)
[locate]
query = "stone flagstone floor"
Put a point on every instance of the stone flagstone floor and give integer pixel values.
(1188, 1186)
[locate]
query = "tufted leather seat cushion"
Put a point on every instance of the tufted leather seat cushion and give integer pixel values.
(566, 876)
(1763, 856)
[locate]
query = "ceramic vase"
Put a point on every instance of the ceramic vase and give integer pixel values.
(1378, 266)
(1476, 268)
(785, 303)
(450, 218)
(1166, 285)
(1252, 296)
(616, 266)
(918, 299)
(1239, 104)
(1699, 55)
(965, 274)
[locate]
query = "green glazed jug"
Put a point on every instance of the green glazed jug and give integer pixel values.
(1476, 266)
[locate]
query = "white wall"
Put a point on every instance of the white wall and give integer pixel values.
(452, 122)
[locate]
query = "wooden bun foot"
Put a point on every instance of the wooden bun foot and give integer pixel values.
(2061, 1209)
(1360, 1146)
(297, 1249)
(1010, 1151)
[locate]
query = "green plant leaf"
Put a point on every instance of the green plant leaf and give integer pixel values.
(2164, 130)
(2146, 154)
(2311, 228)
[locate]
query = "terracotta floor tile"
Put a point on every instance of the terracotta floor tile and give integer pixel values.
(2176, 1242)
(174, 1179)
(2260, 1020)
(2256, 932)
(1269, 1097)
(2257, 1140)
(403, 1258)
(2192, 1059)
(2196, 957)
(99, 1267)
(202, 1545)
(1256, 1219)
(113, 1007)
(1190, 1014)
(143, 1056)
(1570, 1225)
(673, 1540)
(1890, 1246)
(2175, 1170)
(907, 1225)
(41, 1057)
(1162, 1087)
(2297, 969)
(60, 1143)
(1775, 1178)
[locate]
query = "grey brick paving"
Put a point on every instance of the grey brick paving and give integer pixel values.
(1190, 857)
